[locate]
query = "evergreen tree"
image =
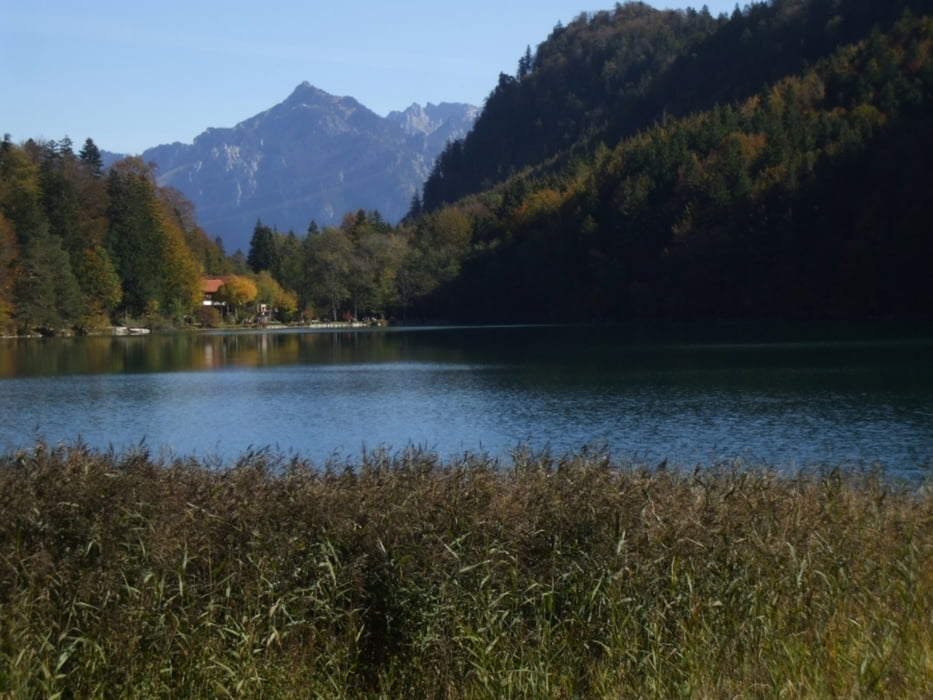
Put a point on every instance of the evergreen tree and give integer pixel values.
(415, 208)
(525, 63)
(132, 240)
(292, 270)
(91, 157)
(48, 298)
(60, 201)
(262, 254)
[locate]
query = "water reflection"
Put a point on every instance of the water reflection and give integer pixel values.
(575, 351)
(790, 395)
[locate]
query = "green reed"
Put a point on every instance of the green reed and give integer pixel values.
(404, 575)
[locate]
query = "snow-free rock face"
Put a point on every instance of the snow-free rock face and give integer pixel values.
(437, 123)
(312, 157)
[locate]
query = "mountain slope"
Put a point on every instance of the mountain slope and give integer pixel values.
(793, 187)
(609, 74)
(312, 157)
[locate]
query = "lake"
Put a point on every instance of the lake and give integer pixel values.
(788, 395)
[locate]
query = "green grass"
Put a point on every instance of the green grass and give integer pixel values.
(122, 575)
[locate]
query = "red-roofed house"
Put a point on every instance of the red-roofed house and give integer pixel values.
(210, 286)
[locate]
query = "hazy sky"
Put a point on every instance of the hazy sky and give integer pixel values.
(132, 75)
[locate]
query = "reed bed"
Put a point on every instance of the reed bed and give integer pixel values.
(404, 575)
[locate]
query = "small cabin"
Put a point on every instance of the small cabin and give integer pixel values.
(210, 286)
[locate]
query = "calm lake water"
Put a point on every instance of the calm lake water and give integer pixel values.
(789, 396)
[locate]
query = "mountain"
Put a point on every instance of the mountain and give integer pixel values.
(438, 124)
(314, 156)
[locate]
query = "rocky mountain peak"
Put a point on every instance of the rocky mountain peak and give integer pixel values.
(426, 120)
(308, 94)
(313, 156)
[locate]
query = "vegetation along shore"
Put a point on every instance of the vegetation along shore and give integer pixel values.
(404, 575)
(640, 164)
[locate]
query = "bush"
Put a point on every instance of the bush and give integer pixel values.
(208, 317)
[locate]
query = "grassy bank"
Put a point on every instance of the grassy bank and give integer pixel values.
(122, 575)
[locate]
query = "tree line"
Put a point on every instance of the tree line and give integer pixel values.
(363, 268)
(640, 163)
(84, 247)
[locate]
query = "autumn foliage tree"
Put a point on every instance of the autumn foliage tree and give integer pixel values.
(80, 246)
(237, 291)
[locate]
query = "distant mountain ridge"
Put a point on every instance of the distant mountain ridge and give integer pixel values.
(314, 156)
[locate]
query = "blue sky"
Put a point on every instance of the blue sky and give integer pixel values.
(134, 75)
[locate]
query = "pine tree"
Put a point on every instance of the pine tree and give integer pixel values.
(48, 298)
(262, 254)
(91, 158)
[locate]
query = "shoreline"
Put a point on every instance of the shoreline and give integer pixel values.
(144, 330)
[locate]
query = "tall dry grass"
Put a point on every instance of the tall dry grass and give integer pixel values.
(123, 575)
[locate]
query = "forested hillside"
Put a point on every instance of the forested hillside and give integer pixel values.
(611, 74)
(81, 247)
(664, 164)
